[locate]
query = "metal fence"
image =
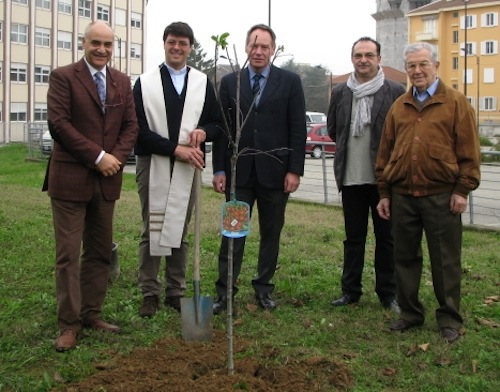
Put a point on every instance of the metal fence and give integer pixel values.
(318, 185)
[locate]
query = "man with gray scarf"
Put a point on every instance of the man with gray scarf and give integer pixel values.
(355, 120)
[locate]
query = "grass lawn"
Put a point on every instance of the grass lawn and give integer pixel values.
(304, 324)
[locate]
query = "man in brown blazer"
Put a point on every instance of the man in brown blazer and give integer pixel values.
(91, 116)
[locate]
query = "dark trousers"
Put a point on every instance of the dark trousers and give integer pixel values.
(149, 266)
(271, 204)
(411, 217)
(82, 271)
(357, 202)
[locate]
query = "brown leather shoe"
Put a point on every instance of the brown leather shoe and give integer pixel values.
(174, 301)
(66, 340)
(100, 325)
(450, 335)
(402, 325)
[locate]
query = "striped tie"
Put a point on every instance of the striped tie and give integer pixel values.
(256, 84)
(101, 89)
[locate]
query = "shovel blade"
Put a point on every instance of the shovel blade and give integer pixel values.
(197, 314)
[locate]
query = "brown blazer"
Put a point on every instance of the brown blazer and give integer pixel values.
(81, 131)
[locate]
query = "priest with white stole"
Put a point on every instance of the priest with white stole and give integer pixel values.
(177, 112)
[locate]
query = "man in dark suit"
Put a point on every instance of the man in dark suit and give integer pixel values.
(92, 120)
(272, 102)
(355, 121)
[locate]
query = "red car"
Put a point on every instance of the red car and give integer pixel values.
(318, 141)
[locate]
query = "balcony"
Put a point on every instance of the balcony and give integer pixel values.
(426, 36)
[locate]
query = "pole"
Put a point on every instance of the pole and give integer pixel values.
(269, 21)
(466, 48)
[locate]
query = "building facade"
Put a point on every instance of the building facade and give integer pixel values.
(392, 29)
(37, 36)
(466, 34)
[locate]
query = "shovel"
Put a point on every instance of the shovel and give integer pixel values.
(197, 312)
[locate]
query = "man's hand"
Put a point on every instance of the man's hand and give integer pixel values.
(292, 182)
(191, 155)
(384, 208)
(109, 165)
(458, 204)
(196, 137)
(219, 183)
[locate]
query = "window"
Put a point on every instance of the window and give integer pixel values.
(469, 49)
(18, 111)
(120, 17)
(489, 103)
(468, 76)
(430, 26)
(1, 29)
(489, 47)
(42, 37)
(64, 40)
(135, 51)
(455, 63)
(489, 20)
(18, 72)
(40, 112)
(455, 86)
(1, 73)
(120, 48)
(42, 74)
(65, 6)
(84, 8)
(455, 36)
(19, 33)
(23, 2)
(45, 4)
(103, 13)
(470, 22)
(136, 20)
(489, 75)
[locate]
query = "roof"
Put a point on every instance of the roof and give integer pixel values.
(390, 73)
(445, 4)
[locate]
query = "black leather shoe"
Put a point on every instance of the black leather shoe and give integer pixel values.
(346, 299)
(403, 325)
(450, 335)
(220, 304)
(391, 305)
(265, 301)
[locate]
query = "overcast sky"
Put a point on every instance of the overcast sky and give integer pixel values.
(318, 32)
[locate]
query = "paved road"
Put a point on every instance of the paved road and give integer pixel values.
(484, 203)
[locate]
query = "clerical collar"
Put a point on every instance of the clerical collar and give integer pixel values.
(172, 71)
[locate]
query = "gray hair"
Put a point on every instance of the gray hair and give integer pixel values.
(418, 46)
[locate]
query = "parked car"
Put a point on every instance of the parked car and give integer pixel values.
(315, 118)
(46, 143)
(316, 135)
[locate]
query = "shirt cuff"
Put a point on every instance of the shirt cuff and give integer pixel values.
(99, 158)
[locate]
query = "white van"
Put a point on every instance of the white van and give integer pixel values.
(315, 117)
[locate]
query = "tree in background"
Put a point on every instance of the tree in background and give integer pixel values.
(197, 59)
(316, 84)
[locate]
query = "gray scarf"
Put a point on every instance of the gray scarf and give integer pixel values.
(364, 93)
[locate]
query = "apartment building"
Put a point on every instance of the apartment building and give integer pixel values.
(467, 35)
(37, 36)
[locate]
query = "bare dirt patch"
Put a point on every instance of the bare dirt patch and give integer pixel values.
(175, 365)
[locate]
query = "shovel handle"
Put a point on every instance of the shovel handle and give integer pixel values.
(197, 219)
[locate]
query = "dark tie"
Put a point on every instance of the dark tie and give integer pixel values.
(101, 90)
(256, 85)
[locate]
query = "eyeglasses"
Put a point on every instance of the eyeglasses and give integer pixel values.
(411, 67)
(182, 44)
(368, 56)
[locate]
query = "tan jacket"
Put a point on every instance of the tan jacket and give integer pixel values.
(429, 150)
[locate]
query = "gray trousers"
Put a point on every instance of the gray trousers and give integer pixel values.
(149, 266)
(411, 216)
